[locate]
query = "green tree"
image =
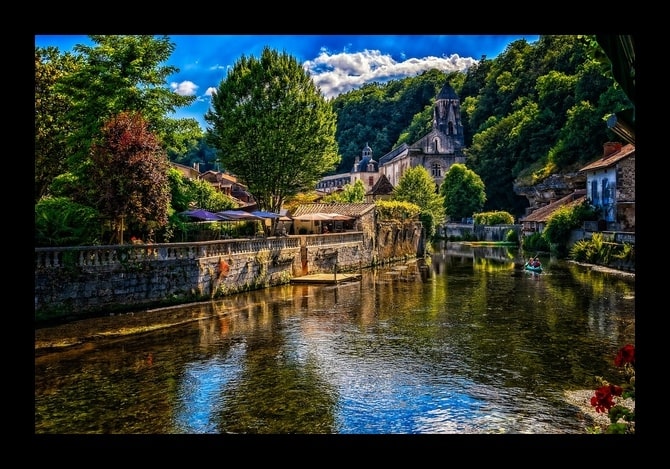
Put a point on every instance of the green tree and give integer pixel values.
(124, 73)
(350, 194)
(417, 186)
(188, 193)
(130, 171)
(272, 127)
(463, 191)
(51, 127)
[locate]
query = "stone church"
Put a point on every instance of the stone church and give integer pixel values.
(437, 151)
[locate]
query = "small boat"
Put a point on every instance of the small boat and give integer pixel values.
(531, 268)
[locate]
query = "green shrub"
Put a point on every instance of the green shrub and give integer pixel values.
(493, 218)
(535, 242)
(512, 236)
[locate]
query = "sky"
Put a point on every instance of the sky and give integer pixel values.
(336, 63)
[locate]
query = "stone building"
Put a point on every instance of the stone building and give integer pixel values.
(442, 147)
(437, 151)
(610, 185)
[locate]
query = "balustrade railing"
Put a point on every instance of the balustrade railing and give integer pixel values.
(83, 256)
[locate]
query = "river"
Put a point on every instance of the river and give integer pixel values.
(464, 342)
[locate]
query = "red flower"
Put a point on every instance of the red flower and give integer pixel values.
(603, 400)
(626, 355)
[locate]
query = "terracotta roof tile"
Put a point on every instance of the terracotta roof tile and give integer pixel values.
(607, 161)
(542, 214)
(351, 210)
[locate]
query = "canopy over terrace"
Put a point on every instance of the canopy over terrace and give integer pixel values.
(323, 222)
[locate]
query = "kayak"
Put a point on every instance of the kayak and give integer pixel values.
(529, 267)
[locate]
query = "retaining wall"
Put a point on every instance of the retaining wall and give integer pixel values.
(85, 280)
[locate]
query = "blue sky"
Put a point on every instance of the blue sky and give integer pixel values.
(337, 63)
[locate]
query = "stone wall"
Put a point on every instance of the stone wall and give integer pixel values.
(85, 280)
(478, 232)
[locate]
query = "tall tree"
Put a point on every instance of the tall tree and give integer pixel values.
(130, 169)
(463, 191)
(272, 127)
(51, 126)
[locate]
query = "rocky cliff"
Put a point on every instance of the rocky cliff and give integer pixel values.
(550, 189)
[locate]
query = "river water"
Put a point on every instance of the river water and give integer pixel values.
(465, 342)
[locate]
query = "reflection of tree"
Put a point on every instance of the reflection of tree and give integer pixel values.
(277, 392)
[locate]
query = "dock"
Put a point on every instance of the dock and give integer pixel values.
(330, 279)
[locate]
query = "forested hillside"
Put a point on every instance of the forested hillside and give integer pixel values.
(535, 110)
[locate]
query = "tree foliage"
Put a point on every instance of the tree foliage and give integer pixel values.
(463, 191)
(497, 217)
(272, 127)
(129, 168)
(123, 73)
(196, 193)
(51, 127)
(61, 222)
(541, 105)
(417, 186)
(393, 210)
(350, 194)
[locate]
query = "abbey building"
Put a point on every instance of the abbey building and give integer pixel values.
(436, 151)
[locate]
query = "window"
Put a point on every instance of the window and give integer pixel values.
(594, 193)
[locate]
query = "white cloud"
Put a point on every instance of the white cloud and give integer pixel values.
(338, 73)
(212, 90)
(185, 88)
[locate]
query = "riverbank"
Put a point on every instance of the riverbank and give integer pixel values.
(593, 419)
(608, 270)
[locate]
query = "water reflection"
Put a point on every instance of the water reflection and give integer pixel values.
(467, 342)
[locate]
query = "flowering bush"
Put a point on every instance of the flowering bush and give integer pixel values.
(608, 397)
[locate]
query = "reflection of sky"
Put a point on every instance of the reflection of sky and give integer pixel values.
(367, 407)
(201, 389)
(380, 393)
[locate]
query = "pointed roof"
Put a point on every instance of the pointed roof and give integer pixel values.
(447, 92)
(382, 187)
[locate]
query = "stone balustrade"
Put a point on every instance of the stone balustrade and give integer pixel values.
(89, 256)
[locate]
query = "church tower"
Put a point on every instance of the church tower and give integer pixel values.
(447, 116)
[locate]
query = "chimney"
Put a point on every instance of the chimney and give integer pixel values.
(610, 148)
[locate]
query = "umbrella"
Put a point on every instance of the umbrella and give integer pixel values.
(200, 214)
(262, 214)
